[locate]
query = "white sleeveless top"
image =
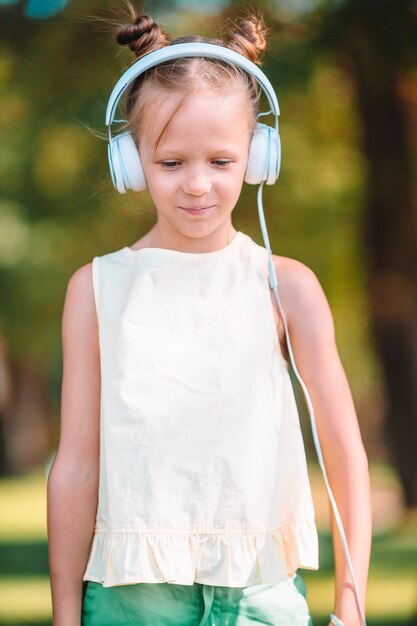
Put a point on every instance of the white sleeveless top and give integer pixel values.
(203, 473)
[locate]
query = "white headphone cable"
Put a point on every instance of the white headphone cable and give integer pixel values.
(274, 286)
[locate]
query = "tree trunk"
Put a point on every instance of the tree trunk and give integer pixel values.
(375, 47)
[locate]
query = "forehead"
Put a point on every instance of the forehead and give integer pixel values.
(202, 117)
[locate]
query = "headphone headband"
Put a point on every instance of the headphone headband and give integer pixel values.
(192, 49)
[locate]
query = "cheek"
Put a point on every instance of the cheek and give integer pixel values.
(241, 171)
(229, 189)
(159, 183)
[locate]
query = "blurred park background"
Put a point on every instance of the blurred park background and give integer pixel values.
(345, 72)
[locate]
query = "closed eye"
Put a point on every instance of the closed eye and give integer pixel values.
(222, 163)
(169, 164)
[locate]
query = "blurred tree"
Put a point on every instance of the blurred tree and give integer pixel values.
(57, 204)
(377, 44)
(48, 83)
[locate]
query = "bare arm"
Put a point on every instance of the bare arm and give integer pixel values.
(312, 335)
(72, 489)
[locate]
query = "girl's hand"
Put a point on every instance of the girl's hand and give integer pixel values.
(352, 621)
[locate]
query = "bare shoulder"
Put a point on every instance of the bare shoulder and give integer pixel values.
(293, 274)
(301, 294)
(79, 305)
(80, 283)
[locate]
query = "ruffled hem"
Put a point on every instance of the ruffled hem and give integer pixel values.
(229, 559)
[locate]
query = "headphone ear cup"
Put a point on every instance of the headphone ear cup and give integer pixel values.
(274, 156)
(257, 155)
(114, 165)
(264, 158)
(125, 165)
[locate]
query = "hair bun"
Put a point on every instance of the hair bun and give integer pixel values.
(248, 37)
(143, 35)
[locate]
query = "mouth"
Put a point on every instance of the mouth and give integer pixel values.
(197, 210)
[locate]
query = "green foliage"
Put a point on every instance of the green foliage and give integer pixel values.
(58, 208)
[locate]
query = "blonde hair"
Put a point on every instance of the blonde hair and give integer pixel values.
(188, 76)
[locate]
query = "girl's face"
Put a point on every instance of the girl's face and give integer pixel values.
(200, 161)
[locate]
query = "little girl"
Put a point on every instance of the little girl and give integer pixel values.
(179, 494)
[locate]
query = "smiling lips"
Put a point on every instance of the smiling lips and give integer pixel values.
(196, 210)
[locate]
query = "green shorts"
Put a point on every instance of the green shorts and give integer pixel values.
(167, 604)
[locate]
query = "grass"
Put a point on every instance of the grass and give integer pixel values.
(392, 590)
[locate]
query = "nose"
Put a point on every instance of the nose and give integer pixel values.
(196, 183)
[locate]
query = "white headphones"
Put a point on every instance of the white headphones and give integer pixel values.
(264, 158)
